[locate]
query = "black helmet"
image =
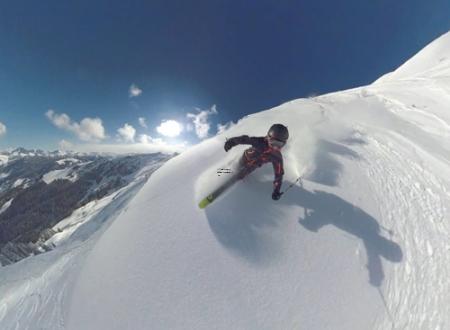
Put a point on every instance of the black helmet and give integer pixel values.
(278, 132)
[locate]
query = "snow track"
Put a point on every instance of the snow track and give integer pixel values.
(415, 206)
(37, 297)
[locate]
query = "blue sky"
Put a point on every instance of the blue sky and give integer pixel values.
(217, 60)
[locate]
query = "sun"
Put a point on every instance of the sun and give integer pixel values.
(170, 128)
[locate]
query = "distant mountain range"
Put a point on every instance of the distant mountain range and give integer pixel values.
(38, 189)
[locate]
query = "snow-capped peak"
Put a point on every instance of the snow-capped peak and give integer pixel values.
(431, 62)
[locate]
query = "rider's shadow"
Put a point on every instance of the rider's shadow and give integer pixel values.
(246, 232)
(322, 208)
(327, 167)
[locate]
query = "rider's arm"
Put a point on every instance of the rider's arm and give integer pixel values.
(243, 139)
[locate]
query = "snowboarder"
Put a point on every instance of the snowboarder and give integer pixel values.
(263, 150)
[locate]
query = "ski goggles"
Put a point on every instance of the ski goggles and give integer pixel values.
(274, 143)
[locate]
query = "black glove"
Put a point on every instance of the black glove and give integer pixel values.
(228, 145)
(276, 195)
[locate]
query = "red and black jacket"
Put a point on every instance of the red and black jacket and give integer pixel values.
(259, 154)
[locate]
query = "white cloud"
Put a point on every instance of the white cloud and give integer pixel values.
(169, 128)
(2, 129)
(134, 91)
(150, 146)
(127, 133)
(200, 121)
(65, 145)
(145, 144)
(147, 139)
(89, 129)
(222, 128)
(142, 122)
(144, 138)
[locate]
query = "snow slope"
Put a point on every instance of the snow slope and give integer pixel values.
(5, 206)
(431, 62)
(363, 244)
(63, 174)
(3, 159)
(367, 229)
(33, 291)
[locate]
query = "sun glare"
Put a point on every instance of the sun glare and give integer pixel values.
(170, 128)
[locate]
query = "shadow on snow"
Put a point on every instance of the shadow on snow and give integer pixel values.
(327, 167)
(249, 233)
(322, 208)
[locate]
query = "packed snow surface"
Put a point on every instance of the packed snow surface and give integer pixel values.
(18, 182)
(362, 243)
(6, 205)
(3, 159)
(62, 174)
(68, 160)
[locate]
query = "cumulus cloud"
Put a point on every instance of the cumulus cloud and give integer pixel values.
(142, 122)
(146, 144)
(189, 127)
(200, 121)
(222, 128)
(2, 129)
(65, 145)
(134, 91)
(169, 128)
(144, 138)
(127, 133)
(147, 139)
(88, 129)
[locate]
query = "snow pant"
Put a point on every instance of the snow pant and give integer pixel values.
(244, 168)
